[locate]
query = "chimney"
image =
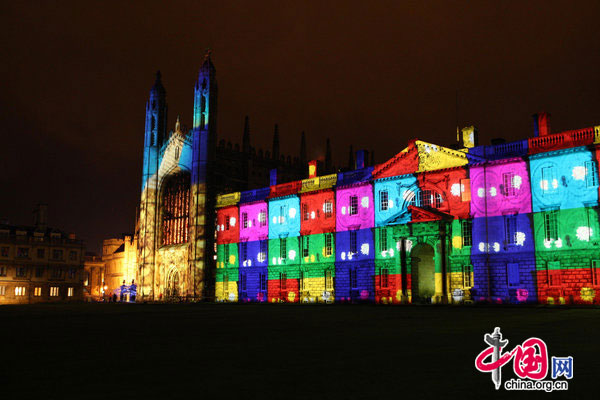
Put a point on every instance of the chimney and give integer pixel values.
(541, 124)
(40, 217)
(273, 177)
(362, 156)
(469, 137)
(312, 169)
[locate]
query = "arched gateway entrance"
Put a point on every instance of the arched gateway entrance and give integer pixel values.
(422, 273)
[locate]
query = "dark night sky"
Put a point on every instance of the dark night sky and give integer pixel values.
(76, 76)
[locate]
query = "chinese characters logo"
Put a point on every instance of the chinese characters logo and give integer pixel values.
(530, 364)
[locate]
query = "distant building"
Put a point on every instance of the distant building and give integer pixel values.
(39, 264)
(105, 275)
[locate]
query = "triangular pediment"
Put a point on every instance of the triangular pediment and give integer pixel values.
(419, 214)
(433, 157)
(405, 162)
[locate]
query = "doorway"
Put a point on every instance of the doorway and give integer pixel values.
(423, 274)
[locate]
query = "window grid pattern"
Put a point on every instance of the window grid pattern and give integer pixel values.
(176, 199)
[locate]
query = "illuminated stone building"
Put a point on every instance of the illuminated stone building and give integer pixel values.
(39, 263)
(183, 172)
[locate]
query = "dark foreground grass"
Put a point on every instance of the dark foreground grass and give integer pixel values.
(215, 351)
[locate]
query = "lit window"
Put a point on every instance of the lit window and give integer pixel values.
(591, 173)
(2, 290)
(467, 232)
(37, 292)
(353, 243)
(426, 198)
(508, 189)
(328, 280)
(353, 205)
(282, 249)
(328, 208)
(305, 246)
(305, 212)
(510, 229)
(383, 242)
(2, 270)
(353, 279)
(283, 281)
(549, 183)
(383, 200)
(175, 204)
(328, 244)
(385, 278)
(263, 251)
(551, 225)
(20, 291)
(21, 271)
(467, 270)
(53, 291)
(262, 218)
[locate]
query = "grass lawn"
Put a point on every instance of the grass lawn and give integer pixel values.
(220, 351)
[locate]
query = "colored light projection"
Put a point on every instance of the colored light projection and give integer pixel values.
(355, 209)
(564, 179)
(568, 255)
(355, 267)
(503, 254)
(499, 188)
(430, 225)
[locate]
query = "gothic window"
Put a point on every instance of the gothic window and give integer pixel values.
(175, 206)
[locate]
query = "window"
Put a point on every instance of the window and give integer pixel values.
(262, 218)
(305, 212)
(175, 206)
(22, 252)
(383, 242)
(591, 173)
(3, 270)
(353, 205)
(57, 273)
(353, 279)
(282, 249)
(510, 229)
(21, 272)
(227, 222)
(70, 292)
(328, 208)
(243, 282)
(554, 274)
(426, 198)
(53, 291)
(385, 278)
(262, 256)
(72, 272)
(353, 243)
(549, 183)
(328, 244)
(508, 189)
(2, 290)
(467, 270)
(225, 282)
(282, 212)
(41, 253)
(20, 291)
(328, 280)
(465, 189)
(37, 292)
(245, 220)
(551, 225)
(244, 250)
(302, 280)
(305, 246)
(513, 274)
(383, 200)
(57, 254)
(263, 282)
(39, 272)
(4, 251)
(596, 272)
(73, 255)
(226, 254)
(283, 281)
(466, 227)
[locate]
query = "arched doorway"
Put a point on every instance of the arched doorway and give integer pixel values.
(173, 289)
(422, 273)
